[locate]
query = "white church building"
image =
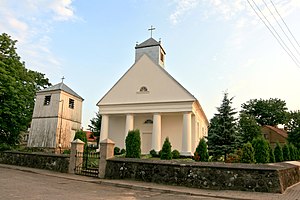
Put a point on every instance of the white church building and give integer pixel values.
(148, 98)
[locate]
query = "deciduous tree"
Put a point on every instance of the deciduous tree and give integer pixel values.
(18, 86)
(266, 112)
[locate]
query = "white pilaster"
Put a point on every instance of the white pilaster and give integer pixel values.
(186, 135)
(104, 127)
(156, 132)
(129, 124)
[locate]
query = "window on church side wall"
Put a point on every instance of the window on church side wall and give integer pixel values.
(47, 100)
(71, 103)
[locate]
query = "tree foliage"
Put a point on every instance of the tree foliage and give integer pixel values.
(271, 154)
(248, 153)
(95, 126)
(18, 86)
(81, 135)
(293, 128)
(222, 132)
(166, 151)
(266, 112)
(201, 151)
(248, 128)
(286, 152)
(133, 144)
(278, 153)
(261, 149)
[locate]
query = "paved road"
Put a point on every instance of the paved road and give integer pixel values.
(15, 185)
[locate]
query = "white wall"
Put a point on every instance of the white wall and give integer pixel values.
(172, 128)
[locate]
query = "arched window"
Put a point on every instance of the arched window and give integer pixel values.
(143, 89)
(148, 121)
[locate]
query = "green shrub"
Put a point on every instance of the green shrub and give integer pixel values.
(133, 144)
(271, 154)
(154, 154)
(293, 152)
(247, 153)
(261, 150)
(234, 157)
(201, 150)
(67, 151)
(5, 147)
(80, 134)
(123, 151)
(166, 152)
(286, 153)
(175, 154)
(117, 151)
(278, 153)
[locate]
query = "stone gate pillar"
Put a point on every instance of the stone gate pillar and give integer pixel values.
(76, 146)
(106, 151)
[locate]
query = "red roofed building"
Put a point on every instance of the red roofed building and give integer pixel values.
(274, 134)
(91, 139)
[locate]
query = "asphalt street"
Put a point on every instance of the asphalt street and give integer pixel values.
(17, 185)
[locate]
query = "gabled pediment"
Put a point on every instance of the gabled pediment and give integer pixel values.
(146, 82)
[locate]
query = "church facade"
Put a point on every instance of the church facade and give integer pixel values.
(148, 98)
(56, 117)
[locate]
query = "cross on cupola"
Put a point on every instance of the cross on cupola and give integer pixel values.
(151, 29)
(62, 79)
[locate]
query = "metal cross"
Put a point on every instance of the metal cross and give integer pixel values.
(62, 79)
(151, 29)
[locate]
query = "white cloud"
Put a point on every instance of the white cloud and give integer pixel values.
(182, 7)
(30, 22)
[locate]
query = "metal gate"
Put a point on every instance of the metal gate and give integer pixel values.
(87, 163)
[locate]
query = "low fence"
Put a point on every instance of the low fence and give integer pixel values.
(53, 162)
(220, 176)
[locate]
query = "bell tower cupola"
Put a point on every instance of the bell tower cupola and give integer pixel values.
(152, 49)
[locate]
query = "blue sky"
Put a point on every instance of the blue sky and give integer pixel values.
(212, 46)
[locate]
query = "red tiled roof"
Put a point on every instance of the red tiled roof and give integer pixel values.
(279, 131)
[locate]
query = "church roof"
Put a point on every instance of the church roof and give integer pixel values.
(149, 43)
(61, 86)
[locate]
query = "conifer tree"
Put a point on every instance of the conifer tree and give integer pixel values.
(248, 153)
(261, 150)
(271, 153)
(286, 153)
(222, 132)
(133, 144)
(201, 150)
(166, 152)
(278, 153)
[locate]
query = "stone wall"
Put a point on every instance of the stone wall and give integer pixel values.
(53, 162)
(220, 176)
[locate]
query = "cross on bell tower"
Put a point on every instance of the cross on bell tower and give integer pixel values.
(151, 29)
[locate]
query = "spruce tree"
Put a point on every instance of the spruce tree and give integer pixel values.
(222, 132)
(201, 150)
(248, 153)
(286, 153)
(278, 153)
(166, 152)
